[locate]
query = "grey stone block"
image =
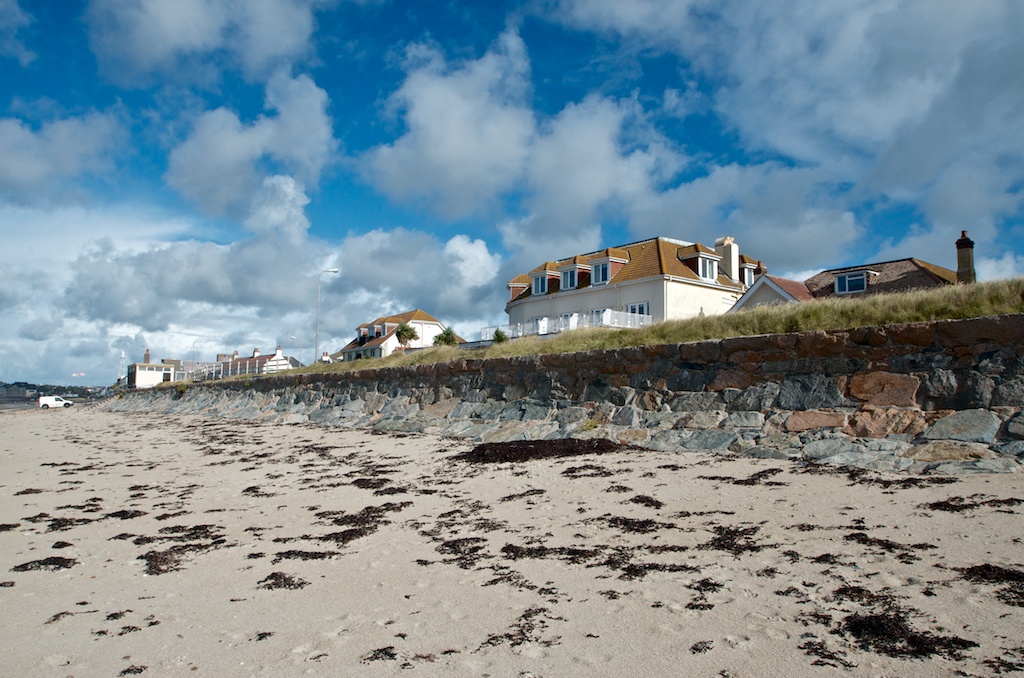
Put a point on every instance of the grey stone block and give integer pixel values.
(809, 392)
(973, 426)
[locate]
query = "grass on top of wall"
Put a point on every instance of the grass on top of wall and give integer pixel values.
(951, 302)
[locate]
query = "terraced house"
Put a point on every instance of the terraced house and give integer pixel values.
(628, 286)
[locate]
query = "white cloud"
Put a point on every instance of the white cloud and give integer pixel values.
(34, 163)
(401, 270)
(915, 100)
(12, 20)
(468, 130)
(1008, 266)
(220, 165)
(778, 214)
(189, 39)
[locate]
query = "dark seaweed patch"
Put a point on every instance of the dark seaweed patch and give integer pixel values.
(961, 504)
(280, 580)
(381, 654)
(51, 564)
(890, 633)
(126, 514)
(644, 500)
(302, 555)
(522, 495)
(734, 540)
(526, 450)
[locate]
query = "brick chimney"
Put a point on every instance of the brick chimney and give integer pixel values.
(965, 259)
(145, 359)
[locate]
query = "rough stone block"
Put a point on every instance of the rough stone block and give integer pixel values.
(885, 389)
(749, 420)
(1015, 426)
(943, 450)
(820, 344)
(807, 420)
(809, 392)
(738, 379)
(710, 440)
(980, 426)
(701, 420)
(878, 423)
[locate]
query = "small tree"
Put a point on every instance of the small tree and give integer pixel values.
(499, 336)
(406, 333)
(446, 338)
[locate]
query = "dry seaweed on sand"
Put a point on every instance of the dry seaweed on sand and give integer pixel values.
(526, 450)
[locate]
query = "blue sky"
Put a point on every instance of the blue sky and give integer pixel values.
(174, 175)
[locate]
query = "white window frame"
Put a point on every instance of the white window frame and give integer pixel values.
(707, 268)
(540, 284)
(748, 276)
(597, 315)
(569, 279)
(600, 273)
(843, 280)
(642, 308)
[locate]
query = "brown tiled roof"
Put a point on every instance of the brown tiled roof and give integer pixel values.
(521, 279)
(695, 250)
(546, 266)
(406, 317)
(793, 288)
(645, 259)
(901, 275)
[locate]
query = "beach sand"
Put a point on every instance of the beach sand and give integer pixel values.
(161, 546)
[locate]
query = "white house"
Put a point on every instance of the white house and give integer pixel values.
(148, 374)
(377, 339)
(628, 286)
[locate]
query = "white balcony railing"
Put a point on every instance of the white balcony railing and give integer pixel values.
(572, 321)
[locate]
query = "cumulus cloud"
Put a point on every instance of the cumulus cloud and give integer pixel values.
(468, 129)
(399, 270)
(221, 164)
(781, 215)
(35, 162)
(472, 141)
(173, 283)
(194, 39)
(1009, 265)
(12, 20)
(915, 100)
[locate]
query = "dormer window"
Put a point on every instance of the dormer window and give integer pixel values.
(540, 284)
(569, 279)
(747, 276)
(708, 268)
(849, 283)
(599, 275)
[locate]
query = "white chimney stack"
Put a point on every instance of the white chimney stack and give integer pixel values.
(727, 248)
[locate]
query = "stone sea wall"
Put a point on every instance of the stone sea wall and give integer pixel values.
(942, 397)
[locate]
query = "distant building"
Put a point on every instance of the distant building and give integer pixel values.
(377, 339)
(229, 364)
(148, 374)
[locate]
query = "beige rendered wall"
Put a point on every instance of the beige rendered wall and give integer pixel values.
(615, 297)
(687, 301)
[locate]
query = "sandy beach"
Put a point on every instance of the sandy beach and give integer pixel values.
(147, 545)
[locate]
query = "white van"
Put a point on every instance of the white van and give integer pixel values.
(46, 402)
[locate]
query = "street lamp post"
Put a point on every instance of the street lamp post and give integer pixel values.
(197, 341)
(316, 348)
